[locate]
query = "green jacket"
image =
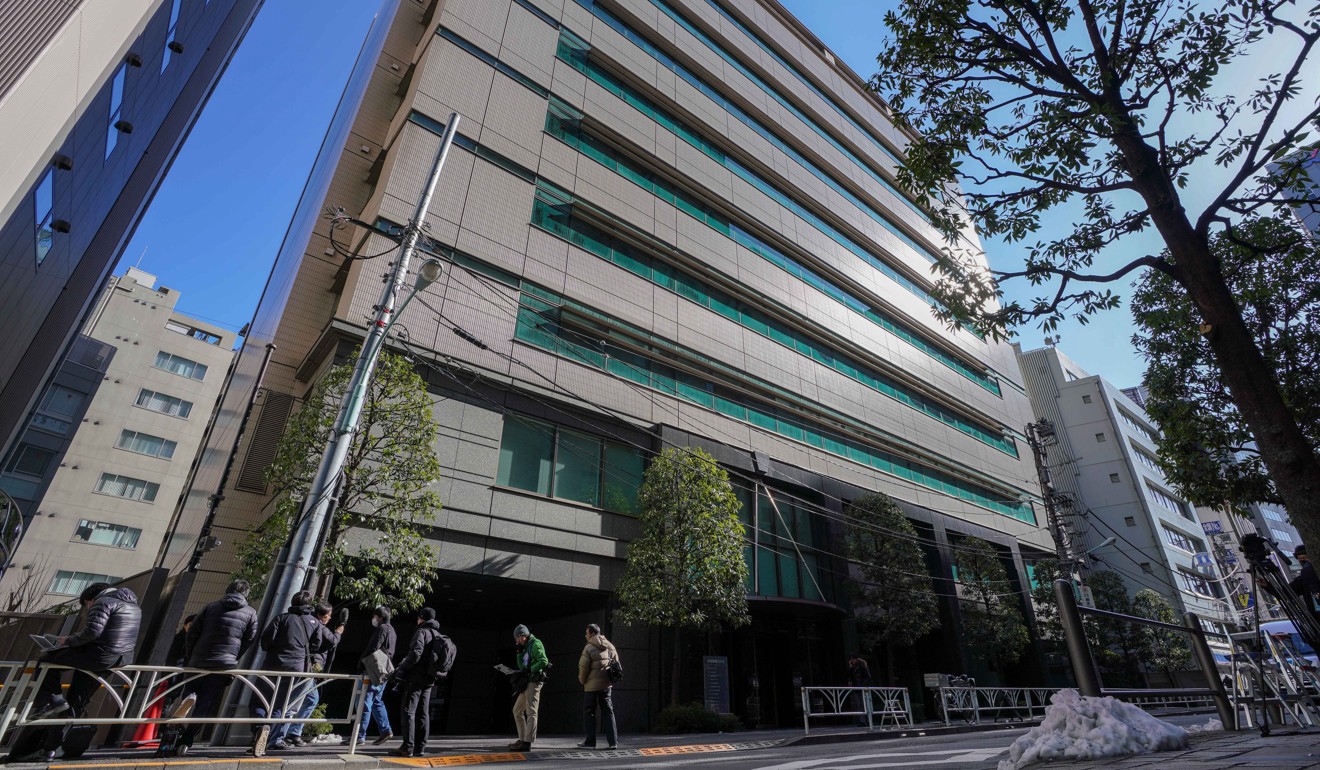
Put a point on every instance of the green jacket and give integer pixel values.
(532, 659)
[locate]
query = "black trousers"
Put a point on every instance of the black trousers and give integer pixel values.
(601, 699)
(81, 687)
(209, 691)
(416, 716)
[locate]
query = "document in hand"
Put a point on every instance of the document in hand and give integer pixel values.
(46, 641)
(503, 669)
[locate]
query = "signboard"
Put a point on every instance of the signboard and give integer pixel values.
(1204, 562)
(716, 678)
(1212, 527)
(1085, 597)
(1223, 538)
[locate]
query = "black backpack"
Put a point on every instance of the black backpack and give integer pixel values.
(614, 670)
(438, 656)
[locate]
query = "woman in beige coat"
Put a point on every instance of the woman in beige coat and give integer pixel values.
(596, 686)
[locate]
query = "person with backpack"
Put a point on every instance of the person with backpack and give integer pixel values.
(430, 657)
(533, 663)
(382, 640)
(599, 668)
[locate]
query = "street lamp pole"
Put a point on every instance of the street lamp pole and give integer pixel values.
(295, 570)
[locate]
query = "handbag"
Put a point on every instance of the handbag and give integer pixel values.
(378, 666)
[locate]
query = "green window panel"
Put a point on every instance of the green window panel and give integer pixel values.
(578, 467)
(662, 377)
(527, 451)
(539, 457)
(624, 467)
(552, 211)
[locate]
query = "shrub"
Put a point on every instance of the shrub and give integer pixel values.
(314, 729)
(694, 718)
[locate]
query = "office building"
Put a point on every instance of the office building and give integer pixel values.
(668, 223)
(96, 97)
(104, 459)
(1105, 463)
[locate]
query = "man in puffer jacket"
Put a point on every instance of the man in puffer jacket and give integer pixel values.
(105, 640)
(290, 641)
(593, 674)
(217, 638)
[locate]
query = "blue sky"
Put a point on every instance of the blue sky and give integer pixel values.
(218, 219)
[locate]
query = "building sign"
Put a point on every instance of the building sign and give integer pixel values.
(1204, 563)
(1212, 527)
(716, 678)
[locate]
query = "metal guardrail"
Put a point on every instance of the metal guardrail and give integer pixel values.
(967, 703)
(1088, 675)
(137, 691)
(884, 703)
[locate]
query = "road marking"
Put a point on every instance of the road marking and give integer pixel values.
(853, 762)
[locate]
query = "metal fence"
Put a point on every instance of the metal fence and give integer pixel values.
(968, 704)
(1088, 675)
(138, 696)
(882, 704)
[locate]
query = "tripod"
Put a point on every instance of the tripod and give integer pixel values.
(1266, 575)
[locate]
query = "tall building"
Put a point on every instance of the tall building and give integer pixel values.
(102, 465)
(1105, 462)
(96, 97)
(667, 223)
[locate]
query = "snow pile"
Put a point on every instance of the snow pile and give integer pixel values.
(1088, 728)
(1212, 725)
(333, 739)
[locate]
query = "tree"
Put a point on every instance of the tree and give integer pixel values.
(1168, 651)
(993, 627)
(1049, 625)
(896, 601)
(383, 498)
(686, 570)
(1119, 646)
(1107, 110)
(1272, 266)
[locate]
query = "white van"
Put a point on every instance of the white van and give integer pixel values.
(1287, 629)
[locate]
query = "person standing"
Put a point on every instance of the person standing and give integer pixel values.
(417, 685)
(217, 637)
(322, 656)
(532, 662)
(106, 639)
(594, 676)
(289, 641)
(383, 638)
(178, 652)
(859, 673)
(1306, 585)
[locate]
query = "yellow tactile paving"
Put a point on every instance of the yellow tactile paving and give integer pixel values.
(460, 759)
(82, 765)
(694, 749)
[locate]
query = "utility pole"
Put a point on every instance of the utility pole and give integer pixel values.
(1041, 434)
(295, 569)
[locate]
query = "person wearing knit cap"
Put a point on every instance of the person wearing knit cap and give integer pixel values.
(533, 662)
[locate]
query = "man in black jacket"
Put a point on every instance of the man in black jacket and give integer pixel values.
(417, 686)
(217, 638)
(322, 657)
(290, 641)
(106, 639)
(382, 638)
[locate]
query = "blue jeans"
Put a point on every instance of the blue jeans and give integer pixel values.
(374, 708)
(296, 700)
(309, 702)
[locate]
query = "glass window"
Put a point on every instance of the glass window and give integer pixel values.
(105, 533)
(29, 460)
(1281, 536)
(527, 450)
(577, 468)
(1195, 583)
(624, 467)
(181, 366)
(71, 583)
(169, 34)
(128, 488)
(43, 199)
(116, 109)
(159, 402)
(1185, 542)
(146, 444)
(194, 332)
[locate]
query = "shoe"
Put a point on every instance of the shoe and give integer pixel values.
(612, 747)
(385, 736)
(52, 709)
(419, 753)
(258, 748)
(280, 745)
(38, 756)
(185, 707)
(585, 745)
(514, 746)
(400, 752)
(295, 740)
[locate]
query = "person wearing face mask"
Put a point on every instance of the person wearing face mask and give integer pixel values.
(383, 638)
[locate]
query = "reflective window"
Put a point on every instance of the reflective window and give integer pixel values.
(105, 533)
(144, 443)
(169, 34)
(159, 402)
(71, 583)
(181, 366)
(116, 109)
(43, 199)
(29, 460)
(543, 458)
(126, 487)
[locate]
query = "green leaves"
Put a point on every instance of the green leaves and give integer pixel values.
(1168, 651)
(686, 570)
(376, 550)
(993, 625)
(895, 599)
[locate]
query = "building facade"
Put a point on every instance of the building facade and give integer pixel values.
(96, 97)
(107, 463)
(1105, 461)
(664, 223)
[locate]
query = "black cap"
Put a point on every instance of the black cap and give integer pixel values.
(426, 613)
(1299, 550)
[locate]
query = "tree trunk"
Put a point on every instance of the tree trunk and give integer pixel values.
(1292, 464)
(676, 670)
(889, 664)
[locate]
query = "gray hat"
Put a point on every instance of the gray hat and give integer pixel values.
(521, 630)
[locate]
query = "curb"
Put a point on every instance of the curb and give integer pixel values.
(908, 732)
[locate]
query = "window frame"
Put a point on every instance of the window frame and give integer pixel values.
(120, 529)
(165, 444)
(148, 487)
(180, 401)
(172, 358)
